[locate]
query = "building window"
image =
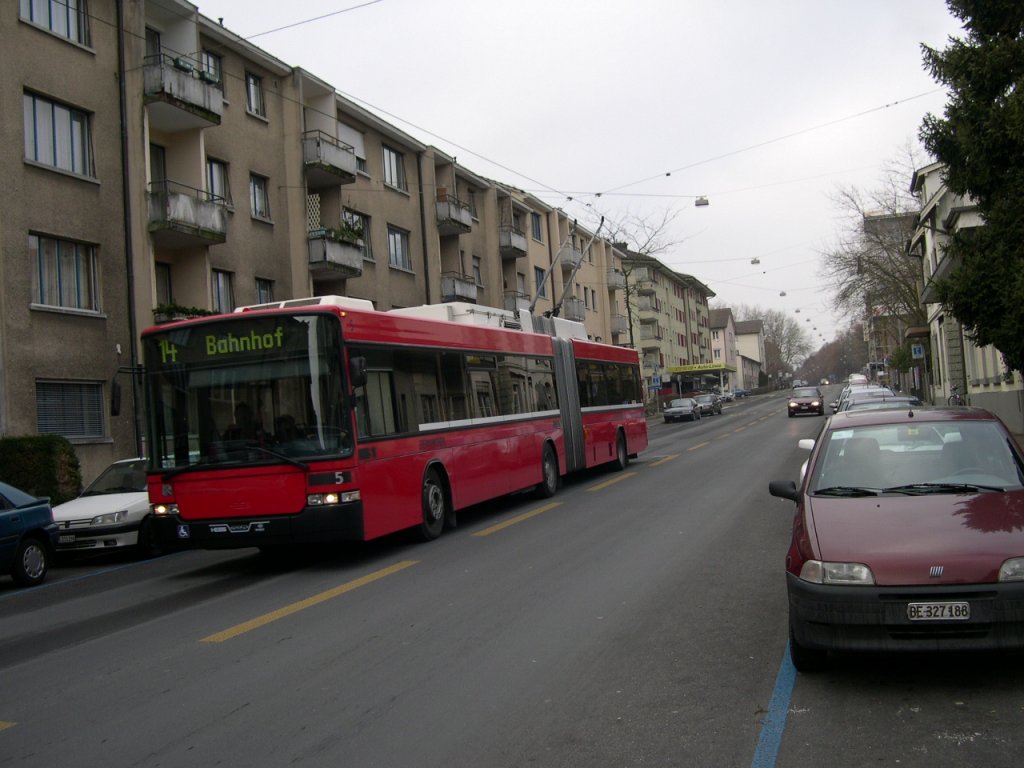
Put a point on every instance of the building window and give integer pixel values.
(535, 224)
(264, 291)
(349, 135)
(538, 278)
(64, 274)
(73, 409)
(67, 18)
(211, 66)
(259, 200)
(478, 277)
(360, 223)
(223, 295)
(398, 249)
(57, 136)
(520, 283)
(217, 181)
(164, 294)
(394, 169)
(254, 103)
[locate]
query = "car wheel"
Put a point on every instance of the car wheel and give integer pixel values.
(31, 560)
(549, 474)
(806, 659)
(434, 506)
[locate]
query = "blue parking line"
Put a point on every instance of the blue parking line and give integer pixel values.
(774, 722)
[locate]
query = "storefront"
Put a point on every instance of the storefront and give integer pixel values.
(700, 376)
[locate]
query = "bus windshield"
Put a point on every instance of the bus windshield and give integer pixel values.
(246, 389)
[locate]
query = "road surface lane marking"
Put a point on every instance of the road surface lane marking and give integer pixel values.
(309, 602)
(774, 722)
(4, 725)
(518, 519)
(698, 445)
(663, 459)
(617, 479)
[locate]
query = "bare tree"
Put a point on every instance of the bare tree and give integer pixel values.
(868, 266)
(786, 341)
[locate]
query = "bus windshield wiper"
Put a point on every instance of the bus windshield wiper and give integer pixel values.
(922, 489)
(846, 490)
(276, 455)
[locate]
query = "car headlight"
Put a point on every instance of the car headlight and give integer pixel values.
(1012, 570)
(109, 518)
(818, 572)
(792, 404)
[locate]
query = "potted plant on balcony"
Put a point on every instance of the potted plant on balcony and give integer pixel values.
(168, 313)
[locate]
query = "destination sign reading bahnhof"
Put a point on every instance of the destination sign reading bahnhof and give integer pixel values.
(227, 341)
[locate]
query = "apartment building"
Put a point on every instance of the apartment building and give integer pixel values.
(948, 355)
(723, 346)
(166, 167)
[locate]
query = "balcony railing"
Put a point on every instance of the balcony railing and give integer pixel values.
(334, 255)
(574, 309)
(569, 257)
(454, 217)
(620, 324)
(515, 301)
(329, 162)
(180, 95)
(181, 216)
(511, 242)
(616, 280)
(458, 287)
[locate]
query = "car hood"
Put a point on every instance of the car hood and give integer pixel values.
(901, 538)
(85, 507)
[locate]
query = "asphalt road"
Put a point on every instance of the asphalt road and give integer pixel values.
(635, 619)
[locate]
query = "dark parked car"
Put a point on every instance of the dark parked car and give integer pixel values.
(27, 535)
(806, 400)
(710, 404)
(907, 536)
(682, 408)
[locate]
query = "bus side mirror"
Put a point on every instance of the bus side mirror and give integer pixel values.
(357, 371)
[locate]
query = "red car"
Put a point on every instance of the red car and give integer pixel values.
(908, 536)
(806, 400)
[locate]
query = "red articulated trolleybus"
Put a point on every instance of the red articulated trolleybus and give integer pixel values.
(323, 419)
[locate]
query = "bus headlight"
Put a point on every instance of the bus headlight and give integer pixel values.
(344, 497)
(163, 510)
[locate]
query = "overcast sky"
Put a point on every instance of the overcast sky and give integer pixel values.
(764, 106)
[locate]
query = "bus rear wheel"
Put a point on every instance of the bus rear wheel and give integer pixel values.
(434, 506)
(548, 484)
(621, 456)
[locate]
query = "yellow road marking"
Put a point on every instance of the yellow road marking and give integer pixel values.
(5, 725)
(722, 437)
(518, 519)
(663, 459)
(738, 429)
(698, 445)
(617, 479)
(309, 602)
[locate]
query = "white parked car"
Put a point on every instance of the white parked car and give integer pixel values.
(113, 512)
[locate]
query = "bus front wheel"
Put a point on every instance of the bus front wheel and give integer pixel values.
(434, 506)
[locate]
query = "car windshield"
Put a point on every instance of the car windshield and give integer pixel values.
(123, 477)
(805, 392)
(948, 456)
(684, 402)
(703, 398)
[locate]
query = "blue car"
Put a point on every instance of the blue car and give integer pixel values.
(28, 536)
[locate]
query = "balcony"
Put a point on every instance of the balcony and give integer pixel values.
(646, 312)
(454, 217)
(570, 258)
(616, 280)
(180, 96)
(574, 309)
(650, 337)
(182, 217)
(515, 301)
(329, 162)
(644, 286)
(620, 324)
(334, 255)
(457, 287)
(511, 242)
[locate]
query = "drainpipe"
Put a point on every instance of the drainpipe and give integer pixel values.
(423, 226)
(133, 354)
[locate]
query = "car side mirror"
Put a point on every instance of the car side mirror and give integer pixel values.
(784, 489)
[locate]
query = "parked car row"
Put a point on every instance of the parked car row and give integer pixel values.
(111, 514)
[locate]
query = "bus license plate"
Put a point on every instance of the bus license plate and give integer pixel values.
(939, 611)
